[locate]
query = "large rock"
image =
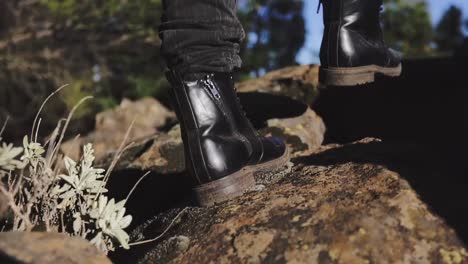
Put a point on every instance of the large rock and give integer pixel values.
(334, 207)
(303, 134)
(147, 116)
(297, 82)
(162, 153)
(45, 248)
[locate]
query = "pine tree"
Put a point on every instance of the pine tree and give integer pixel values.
(449, 33)
(275, 33)
(407, 27)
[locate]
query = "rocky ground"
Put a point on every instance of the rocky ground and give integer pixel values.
(370, 200)
(334, 206)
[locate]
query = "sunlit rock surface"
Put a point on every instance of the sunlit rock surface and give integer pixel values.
(42, 248)
(333, 207)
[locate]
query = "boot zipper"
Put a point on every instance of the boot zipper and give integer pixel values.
(213, 90)
(211, 87)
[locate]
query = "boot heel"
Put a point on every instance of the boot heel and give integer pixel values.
(345, 76)
(225, 188)
(355, 75)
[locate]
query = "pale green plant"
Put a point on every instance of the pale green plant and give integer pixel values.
(102, 220)
(77, 195)
(82, 179)
(111, 221)
(47, 190)
(32, 155)
(8, 158)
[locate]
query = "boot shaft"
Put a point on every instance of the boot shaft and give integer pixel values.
(359, 13)
(213, 146)
(353, 36)
(225, 83)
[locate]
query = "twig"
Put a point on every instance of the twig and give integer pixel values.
(37, 130)
(15, 208)
(17, 185)
(163, 233)
(42, 106)
(4, 125)
(117, 156)
(51, 143)
(119, 150)
(62, 221)
(136, 184)
(62, 135)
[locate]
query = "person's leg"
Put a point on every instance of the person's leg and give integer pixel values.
(353, 49)
(201, 35)
(222, 150)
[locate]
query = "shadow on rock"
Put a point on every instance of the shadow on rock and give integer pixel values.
(156, 193)
(427, 103)
(261, 107)
(422, 119)
(437, 175)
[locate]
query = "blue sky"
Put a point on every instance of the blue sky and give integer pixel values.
(314, 27)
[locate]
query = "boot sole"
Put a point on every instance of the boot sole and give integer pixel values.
(236, 184)
(355, 75)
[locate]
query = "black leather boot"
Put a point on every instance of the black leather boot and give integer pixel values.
(222, 150)
(264, 149)
(353, 49)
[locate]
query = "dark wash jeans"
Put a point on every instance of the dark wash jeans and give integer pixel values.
(201, 35)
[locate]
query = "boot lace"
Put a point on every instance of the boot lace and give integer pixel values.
(320, 2)
(242, 109)
(207, 82)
